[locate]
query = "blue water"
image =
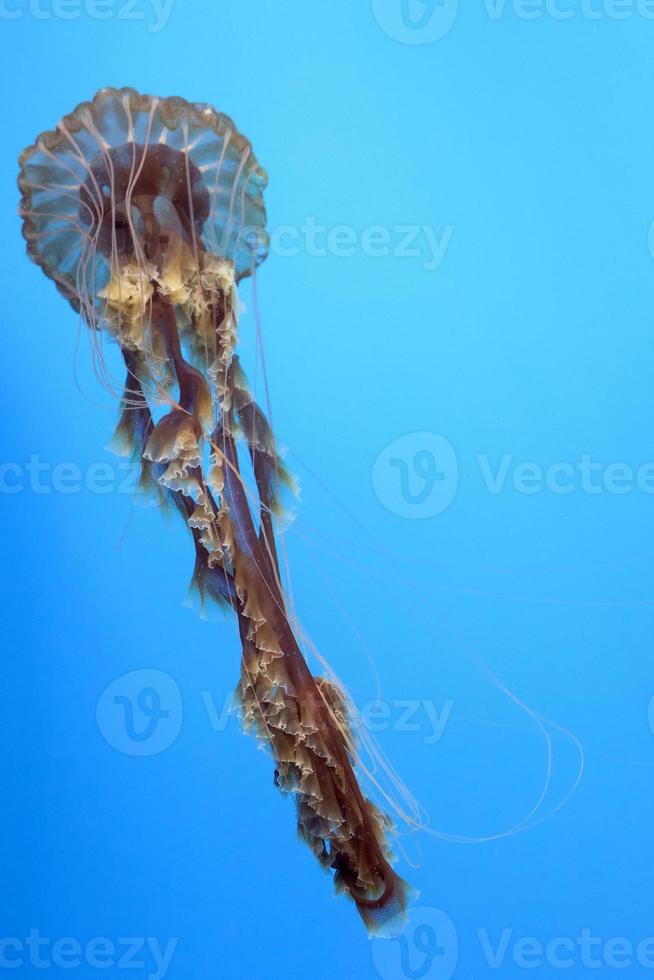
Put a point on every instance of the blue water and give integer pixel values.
(517, 152)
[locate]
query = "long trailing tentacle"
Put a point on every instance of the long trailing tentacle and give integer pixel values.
(302, 719)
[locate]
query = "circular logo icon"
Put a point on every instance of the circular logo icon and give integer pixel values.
(650, 239)
(427, 949)
(416, 21)
(416, 476)
(140, 713)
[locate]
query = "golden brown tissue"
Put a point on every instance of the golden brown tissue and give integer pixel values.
(147, 213)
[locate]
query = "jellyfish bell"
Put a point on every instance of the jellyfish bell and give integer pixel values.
(116, 159)
(147, 213)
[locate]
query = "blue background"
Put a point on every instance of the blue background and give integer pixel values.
(534, 141)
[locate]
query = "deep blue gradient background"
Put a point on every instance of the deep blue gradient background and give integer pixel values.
(533, 141)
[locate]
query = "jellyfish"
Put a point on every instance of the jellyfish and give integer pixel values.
(148, 213)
